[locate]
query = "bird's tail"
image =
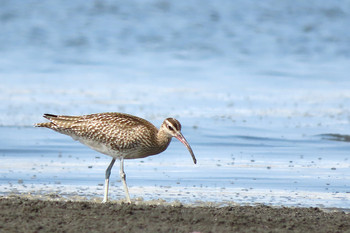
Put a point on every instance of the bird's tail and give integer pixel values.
(46, 124)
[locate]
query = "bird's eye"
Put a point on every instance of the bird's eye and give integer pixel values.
(170, 128)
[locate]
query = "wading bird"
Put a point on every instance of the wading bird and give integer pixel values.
(121, 136)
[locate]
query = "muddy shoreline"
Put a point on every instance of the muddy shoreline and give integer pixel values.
(24, 215)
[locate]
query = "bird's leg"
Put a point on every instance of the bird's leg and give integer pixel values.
(108, 173)
(123, 177)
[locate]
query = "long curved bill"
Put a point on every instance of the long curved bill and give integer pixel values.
(182, 139)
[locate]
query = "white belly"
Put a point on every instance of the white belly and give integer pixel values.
(131, 153)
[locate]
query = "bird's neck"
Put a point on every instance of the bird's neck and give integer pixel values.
(163, 140)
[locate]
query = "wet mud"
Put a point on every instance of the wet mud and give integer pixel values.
(336, 137)
(24, 215)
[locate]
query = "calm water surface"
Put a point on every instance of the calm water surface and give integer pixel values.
(262, 92)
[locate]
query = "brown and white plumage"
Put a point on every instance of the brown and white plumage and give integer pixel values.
(119, 135)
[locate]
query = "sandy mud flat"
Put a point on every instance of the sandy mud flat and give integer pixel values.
(24, 215)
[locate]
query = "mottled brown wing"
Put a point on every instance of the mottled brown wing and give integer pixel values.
(121, 131)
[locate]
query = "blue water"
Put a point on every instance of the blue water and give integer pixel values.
(261, 89)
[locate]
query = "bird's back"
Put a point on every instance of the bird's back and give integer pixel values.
(114, 134)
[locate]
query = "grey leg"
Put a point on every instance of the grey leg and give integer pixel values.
(122, 176)
(108, 173)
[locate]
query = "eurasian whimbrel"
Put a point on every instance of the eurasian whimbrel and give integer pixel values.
(119, 135)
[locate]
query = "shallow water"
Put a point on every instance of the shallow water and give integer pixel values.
(231, 169)
(263, 98)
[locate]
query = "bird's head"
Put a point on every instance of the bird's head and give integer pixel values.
(172, 128)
